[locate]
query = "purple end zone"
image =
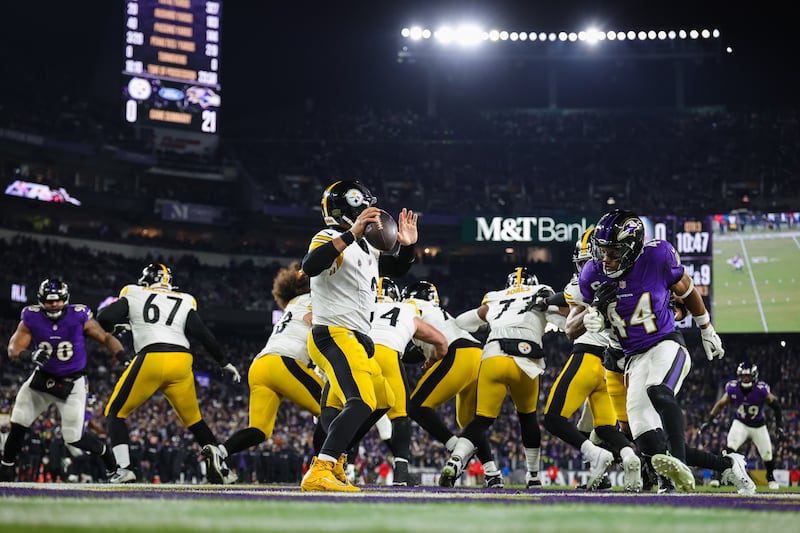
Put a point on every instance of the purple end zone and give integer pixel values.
(376, 494)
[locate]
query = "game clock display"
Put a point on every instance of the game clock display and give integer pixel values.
(171, 70)
(691, 237)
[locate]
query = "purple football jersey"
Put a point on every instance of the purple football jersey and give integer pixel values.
(63, 337)
(749, 405)
(641, 317)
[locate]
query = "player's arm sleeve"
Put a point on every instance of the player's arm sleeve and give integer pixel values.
(777, 411)
(557, 299)
(319, 259)
(112, 314)
(396, 266)
(195, 327)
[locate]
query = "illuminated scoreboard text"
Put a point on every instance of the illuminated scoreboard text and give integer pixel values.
(172, 63)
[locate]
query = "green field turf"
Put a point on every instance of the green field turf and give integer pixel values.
(106, 508)
(763, 297)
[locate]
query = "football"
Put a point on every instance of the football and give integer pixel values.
(382, 235)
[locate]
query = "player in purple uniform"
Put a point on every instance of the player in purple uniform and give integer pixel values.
(749, 395)
(629, 284)
(51, 335)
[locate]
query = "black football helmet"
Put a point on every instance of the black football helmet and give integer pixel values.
(747, 373)
(621, 233)
(157, 275)
(521, 276)
(53, 290)
(421, 290)
(388, 291)
(343, 201)
(583, 250)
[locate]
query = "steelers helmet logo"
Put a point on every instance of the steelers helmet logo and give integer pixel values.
(354, 197)
(524, 348)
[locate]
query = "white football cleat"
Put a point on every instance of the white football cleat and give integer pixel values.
(675, 469)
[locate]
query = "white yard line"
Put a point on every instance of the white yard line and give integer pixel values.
(755, 288)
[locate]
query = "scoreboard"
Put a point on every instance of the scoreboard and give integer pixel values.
(691, 237)
(171, 70)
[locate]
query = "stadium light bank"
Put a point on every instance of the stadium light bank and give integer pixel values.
(473, 35)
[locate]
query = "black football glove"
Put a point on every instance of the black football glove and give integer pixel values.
(40, 356)
(539, 301)
(704, 427)
(605, 295)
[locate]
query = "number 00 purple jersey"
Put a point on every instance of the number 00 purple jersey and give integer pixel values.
(642, 316)
(63, 337)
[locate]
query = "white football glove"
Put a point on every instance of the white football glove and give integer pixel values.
(593, 321)
(712, 344)
(230, 369)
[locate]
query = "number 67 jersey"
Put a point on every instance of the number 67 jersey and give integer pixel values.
(157, 316)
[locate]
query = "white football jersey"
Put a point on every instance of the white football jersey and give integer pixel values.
(437, 317)
(157, 315)
(509, 317)
(393, 324)
(290, 334)
(344, 294)
(605, 338)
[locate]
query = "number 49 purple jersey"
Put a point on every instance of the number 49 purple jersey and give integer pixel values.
(641, 317)
(63, 337)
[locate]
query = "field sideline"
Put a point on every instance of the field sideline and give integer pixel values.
(247, 508)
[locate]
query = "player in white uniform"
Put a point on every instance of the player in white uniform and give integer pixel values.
(512, 361)
(160, 319)
(344, 271)
(454, 376)
(281, 369)
(394, 325)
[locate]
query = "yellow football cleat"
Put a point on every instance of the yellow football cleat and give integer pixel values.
(321, 478)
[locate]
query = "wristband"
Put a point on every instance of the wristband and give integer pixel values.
(348, 237)
(702, 320)
(25, 356)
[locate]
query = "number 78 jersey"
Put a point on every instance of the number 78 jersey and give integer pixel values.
(157, 315)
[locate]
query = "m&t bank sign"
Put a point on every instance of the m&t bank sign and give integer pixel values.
(524, 229)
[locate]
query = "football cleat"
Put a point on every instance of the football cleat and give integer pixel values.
(773, 485)
(216, 469)
(599, 461)
(632, 468)
(494, 481)
(737, 475)
(676, 470)
(451, 471)
(401, 478)
(605, 483)
(122, 475)
(532, 480)
(339, 470)
(320, 478)
(665, 485)
(8, 472)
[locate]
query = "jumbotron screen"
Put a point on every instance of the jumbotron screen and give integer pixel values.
(756, 277)
(171, 69)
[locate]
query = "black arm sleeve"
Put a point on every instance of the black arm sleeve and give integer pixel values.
(557, 299)
(112, 314)
(196, 328)
(319, 259)
(396, 266)
(776, 409)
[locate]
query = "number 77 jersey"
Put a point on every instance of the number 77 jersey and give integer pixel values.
(641, 316)
(157, 315)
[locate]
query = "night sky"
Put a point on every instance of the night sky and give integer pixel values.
(343, 54)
